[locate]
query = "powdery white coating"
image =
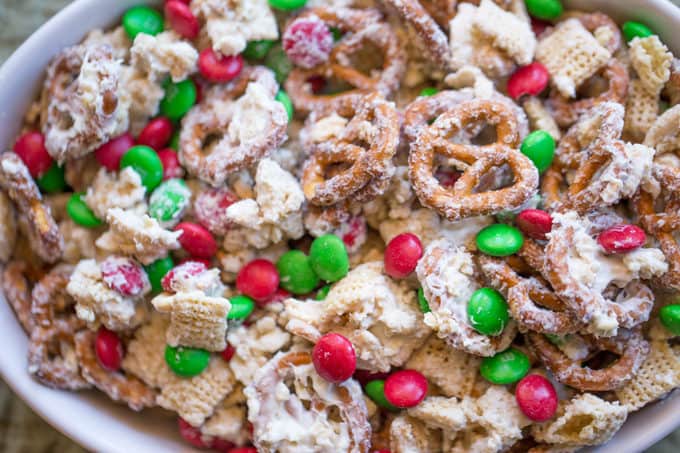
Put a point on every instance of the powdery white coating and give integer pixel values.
(162, 55)
(540, 118)
(506, 31)
(583, 420)
(186, 280)
(230, 419)
(116, 38)
(110, 190)
(97, 303)
(276, 212)
(255, 345)
(144, 96)
(8, 227)
(572, 55)
(377, 314)
(231, 24)
(651, 60)
(137, 235)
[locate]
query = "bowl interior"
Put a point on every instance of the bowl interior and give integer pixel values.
(89, 417)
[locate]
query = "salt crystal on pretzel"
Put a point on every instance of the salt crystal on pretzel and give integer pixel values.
(572, 55)
(137, 235)
(378, 315)
(506, 31)
(652, 61)
(40, 227)
(453, 371)
(232, 25)
(583, 420)
(448, 277)
(255, 345)
(145, 354)
(117, 38)
(83, 101)
(540, 118)
(196, 398)
(162, 55)
(277, 207)
(97, 303)
(642, 110)
(8, 227)
(110, 190)
(287, 397)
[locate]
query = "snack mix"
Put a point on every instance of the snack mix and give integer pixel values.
(354, 225)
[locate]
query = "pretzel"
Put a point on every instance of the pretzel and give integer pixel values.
(357, 26)
(50, 348)
(594, 22)
(248, 127)
(16, 289)
(118, 386)
(374, 125)
(43, 232)
(629, 345)
(310, 401)
(461, 201)
(566, 111)
(672, 87)
(81, 105)
(434, 41)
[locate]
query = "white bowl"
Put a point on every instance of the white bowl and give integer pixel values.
(90, 418)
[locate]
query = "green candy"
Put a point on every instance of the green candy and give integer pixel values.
(499, 240)
(278, 61)
(80, 212)
(670, 318)
(52, 181)
(241, 307)
(557, 340)
(295, 272)
(287, 5)
(186, 362)
(422, 302)
(632, 30)
(142, 19)
(257, 50)
(376, 391)
(169, 200)
(322, 293)
(157, 270)
(544, 9)
(429, 91)
(488, 312)
(337, 34)
(505, 367)
(145, 161)
(539, 146)
(284, 99)
(174, 141)
(328, 257)
(179, 98)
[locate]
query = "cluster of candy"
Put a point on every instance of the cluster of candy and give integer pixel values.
(454, 230)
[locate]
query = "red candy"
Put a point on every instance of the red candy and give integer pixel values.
(243, 450)
(171, 166)
(181, 19)
(308, 42)
(530, 79)
(222, 445)
(110, 153)
(334, 358)
(30, 147)
(406, 388)
(353, 233)
(196, 240)
(124, 275)
(191, 434)
(258, 279)
(183, 272)
(536, 397)
(402, 254)
(217, 68)
(622, 238)
(156, 134)
(109, 349)
(538, 26)
(228, 352)
(317, 84)
(535, 223)
(447, 178)
(210, 209)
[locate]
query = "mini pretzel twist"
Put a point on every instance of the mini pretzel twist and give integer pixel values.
(365, 146)
(461, 200)
(43, 232)
(17, 291)
(359, 27)
(630, 346)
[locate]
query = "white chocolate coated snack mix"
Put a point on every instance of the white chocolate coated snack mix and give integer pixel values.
(316, 226)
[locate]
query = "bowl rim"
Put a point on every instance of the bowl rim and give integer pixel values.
(636, 437)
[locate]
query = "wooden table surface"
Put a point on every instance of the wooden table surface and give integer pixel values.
(21, 430)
